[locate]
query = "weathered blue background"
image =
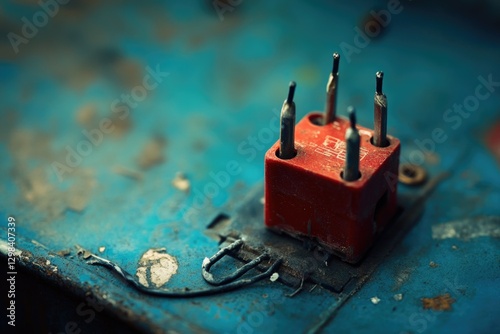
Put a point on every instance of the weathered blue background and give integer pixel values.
(226, 80)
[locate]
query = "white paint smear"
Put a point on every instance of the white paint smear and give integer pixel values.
(156, 267)
(468, 228)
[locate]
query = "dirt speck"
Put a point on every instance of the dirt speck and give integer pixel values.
(127, 172)
(181, 182)
(439, 303)
(64, 252)
(432, 158)
(121, 124)
(86, 115)
(402, 276)
(128, 72)
(152, 153)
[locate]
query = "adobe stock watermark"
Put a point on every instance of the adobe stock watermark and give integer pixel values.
(454, 117)
(223, 6)
(220, 180)
(371, 29)
(120, 107)
(30, 28)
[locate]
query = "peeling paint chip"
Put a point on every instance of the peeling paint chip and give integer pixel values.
(85, 253)
(156, 267)
(468, 228)
(398, 297)
(375, 300)
(274, 277)
(181, 182)
(439, 303)
(64, 252)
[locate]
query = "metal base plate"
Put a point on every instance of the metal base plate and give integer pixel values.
(305, 260)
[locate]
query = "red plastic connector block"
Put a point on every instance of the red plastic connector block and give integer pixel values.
(306, 196)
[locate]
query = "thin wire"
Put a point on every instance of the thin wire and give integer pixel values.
(209, 262)
(185, 292)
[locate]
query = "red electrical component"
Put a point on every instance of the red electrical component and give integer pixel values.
(306, 193)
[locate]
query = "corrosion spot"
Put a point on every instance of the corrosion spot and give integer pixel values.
(439, 303)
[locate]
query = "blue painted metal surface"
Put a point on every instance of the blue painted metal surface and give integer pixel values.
(218, 104)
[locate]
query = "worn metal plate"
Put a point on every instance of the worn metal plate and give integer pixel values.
(305, 260)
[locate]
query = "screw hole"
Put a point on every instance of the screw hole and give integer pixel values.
(412, 174)
(387, 142)
(316, 119)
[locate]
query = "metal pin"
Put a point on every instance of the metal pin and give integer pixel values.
(331, 91)
(352, 142)
(287, 133)
(380, 111)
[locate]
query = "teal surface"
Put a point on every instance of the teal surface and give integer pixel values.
(224, 80)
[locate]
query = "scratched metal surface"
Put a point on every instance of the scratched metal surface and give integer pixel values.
(226, 79)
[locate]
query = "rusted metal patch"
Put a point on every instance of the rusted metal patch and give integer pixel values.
(438, 303)
(468, 228)
(156, 267)
(493, 140)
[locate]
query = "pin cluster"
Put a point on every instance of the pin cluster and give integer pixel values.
(350, 171)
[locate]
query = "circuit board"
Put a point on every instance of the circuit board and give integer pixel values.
(136, 132)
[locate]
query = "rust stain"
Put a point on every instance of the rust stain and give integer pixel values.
(493, 140)
(438, 303)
